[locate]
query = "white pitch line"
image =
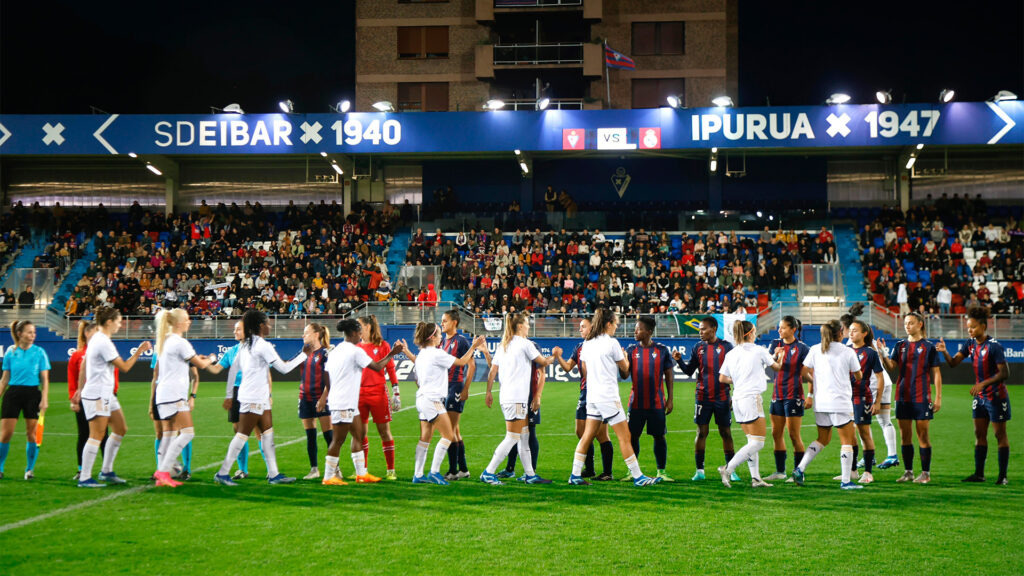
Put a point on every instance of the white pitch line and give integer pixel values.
(119, 494)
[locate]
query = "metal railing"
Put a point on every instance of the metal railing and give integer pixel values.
(522, 54)
(555, 104)
(535, 3)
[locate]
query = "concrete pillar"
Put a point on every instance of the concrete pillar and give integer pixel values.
(170, 195)
(903, 187)
(715, 190)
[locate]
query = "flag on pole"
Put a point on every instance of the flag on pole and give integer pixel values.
(615, 59)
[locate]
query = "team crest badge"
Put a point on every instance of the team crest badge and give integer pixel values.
(983, 352)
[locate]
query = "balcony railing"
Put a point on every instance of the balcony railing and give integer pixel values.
(556, 104)
(534, 54)
(535, 3)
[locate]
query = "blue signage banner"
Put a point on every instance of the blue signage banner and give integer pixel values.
(954, 124)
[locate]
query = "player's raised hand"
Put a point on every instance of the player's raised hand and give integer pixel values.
(145, 346)
(940, 346)
(479, 341)
(556, 352)
(677, 356)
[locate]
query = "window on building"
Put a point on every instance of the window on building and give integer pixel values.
(655, 38)
(652, 92)
(423, 97)
(422, 42)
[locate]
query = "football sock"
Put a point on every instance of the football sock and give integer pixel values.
(511, 439)
(846, 461)
(421, 458)
(513, 457)
(453, 458)
(524, 452)
(908, 457)
(331, 466)
(366, 449)
(389, 453)
(577, 463)
(235, 448)
(165, 441)
(440, 451)
(660, 452)
(729, 456)
(634, 467)
(156, 451)
(812, 451)
(888, 432)
(698, 457)
(856, 452)
(588, 464)
(110, 452)
(869, 460)
(311, 446)
(463, 467)
(634, 441)
(186, 457)
(243, 458)
(328, 437)
(980, 454)
(1004, 460)
(31, 452)
(185, 436)
(607, 454)
(756, 443)
(534, 446)
(270, 452)
(780, 461)
(926, 459)
(359, 460)
(89, 453)
(797, 458)
(753, 446)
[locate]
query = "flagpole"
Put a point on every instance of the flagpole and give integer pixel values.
(607, 84)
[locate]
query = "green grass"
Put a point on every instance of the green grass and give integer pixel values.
(943, 528)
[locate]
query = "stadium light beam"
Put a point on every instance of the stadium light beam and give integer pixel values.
(910, 162)
(722, 102)
(884, 96)
(154, 170)
(234, 108)
(946, 96)
(674, 101)
(714, 165)
(286, 106)
(543, 103)
(524, 167)
(494, 104)
(1004, 95)
(384, 106)
(337, 168)
(759, 214)
(838, 98)
(133, 155)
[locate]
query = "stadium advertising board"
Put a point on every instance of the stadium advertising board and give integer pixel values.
(957, 123)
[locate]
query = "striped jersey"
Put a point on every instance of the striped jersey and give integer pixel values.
(647, 370)
(870, 366)
(788, 385)
(915, 361)
(457, 346)
(986, 358)
(312, 375)
(706, 359)
(583, 379)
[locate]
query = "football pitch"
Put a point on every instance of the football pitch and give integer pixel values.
(50, 526)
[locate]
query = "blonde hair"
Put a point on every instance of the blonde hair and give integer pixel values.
(83, 327)
(830, 332)
(165, 320)
(740, 329)
(322, 333)
(512, 323)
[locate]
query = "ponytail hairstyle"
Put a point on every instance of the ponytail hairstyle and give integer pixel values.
(165, 320)
(831, 332)
(348, 327)
(373, 328)
(924, 333)
(794, 323)
(252, 325)
(512, 323)
(17, 328)
(740, 330)
(83, 327)
(322, 334)
(425, 332)
(105, 314)
(855, 311)
(979, 314)
(599, 325)
(869, 334)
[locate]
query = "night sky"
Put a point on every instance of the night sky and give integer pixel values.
(183, 57)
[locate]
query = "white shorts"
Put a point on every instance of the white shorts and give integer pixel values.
(747, 409)
(430, 409)
(610, 413)
(257, 408)
(102, 407)
(344, 416)
(832, 419)
(171, 408)
(887, 393)
(513, 411)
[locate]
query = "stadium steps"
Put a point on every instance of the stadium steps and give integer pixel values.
(74, 274)
(396, 253)
(784, 295)
(849, 262)
(453, 296)
(29, 251)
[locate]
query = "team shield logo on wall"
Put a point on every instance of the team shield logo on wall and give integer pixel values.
(650, 138)
(573, 139)
(621, 180)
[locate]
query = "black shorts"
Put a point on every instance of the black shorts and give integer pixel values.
(452, 403)
(532, 418)
(787, 408)
(307, 409)
(722, 411)
(914, 410)
(235, 406)
(651, 418)
(23, 400)
(861, 416)
(993, 410)
(581, 409)
(156, 413)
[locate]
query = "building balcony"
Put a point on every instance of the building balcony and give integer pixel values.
(586, 57)
(487, 9)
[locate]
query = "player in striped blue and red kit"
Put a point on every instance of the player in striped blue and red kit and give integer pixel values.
(866, 403)
(317, 340)
(991, 400)
(712, 396)
(650, 369)
(787, 407)
(917, 364)
(459, 380)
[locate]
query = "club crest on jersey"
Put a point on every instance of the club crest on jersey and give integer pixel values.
(983, 352)
(919, 349)
(654, 354)
(792, 351)
(375, 351)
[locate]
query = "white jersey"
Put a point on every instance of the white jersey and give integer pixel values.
(99, 370)
(254, 361)
(514, 370)
(172, 378)
(833, 389)
(345, 363)
(600, 356)
(745, 364)
(432, 364)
